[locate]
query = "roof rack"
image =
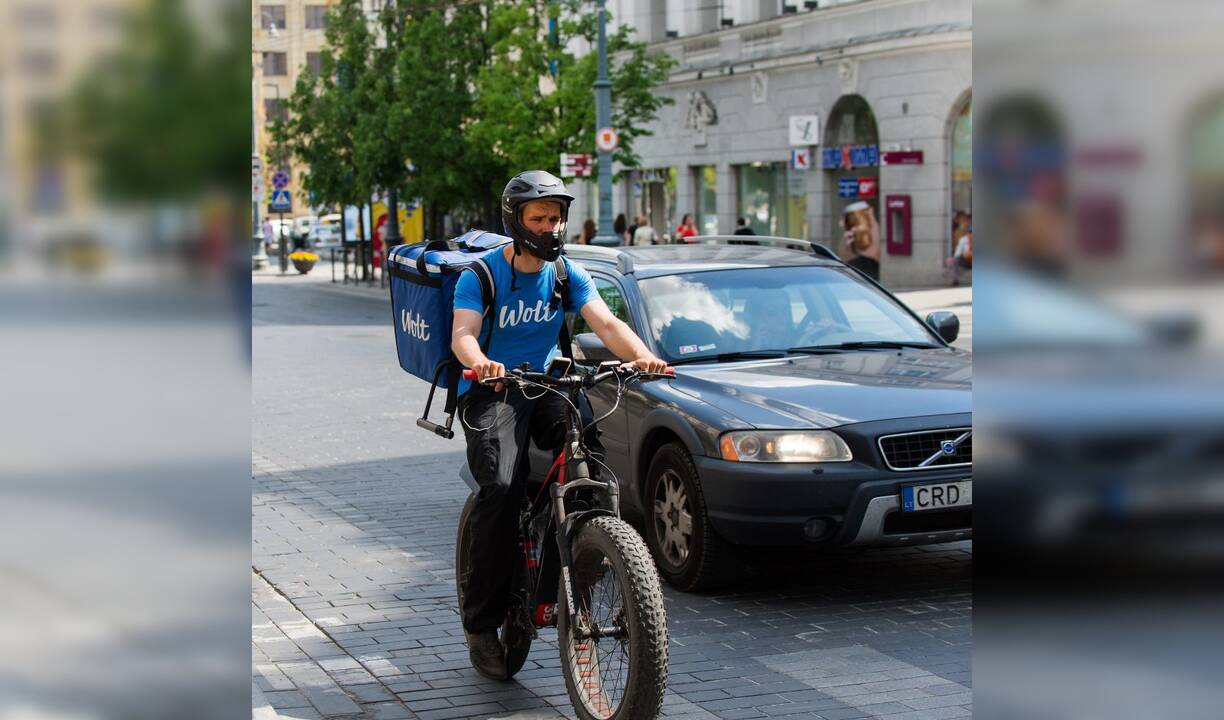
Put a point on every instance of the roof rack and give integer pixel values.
(624, 263)
(783, 242)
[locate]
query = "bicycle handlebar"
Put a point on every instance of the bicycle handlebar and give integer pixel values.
(517, 375)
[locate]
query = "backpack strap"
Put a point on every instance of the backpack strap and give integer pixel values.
(488, 292)
(560, 292)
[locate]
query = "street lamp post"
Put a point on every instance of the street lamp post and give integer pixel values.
(603, 119)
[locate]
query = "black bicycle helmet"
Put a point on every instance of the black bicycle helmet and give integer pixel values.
(522, 189)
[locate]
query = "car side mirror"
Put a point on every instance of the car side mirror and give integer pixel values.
(1174, 329)
(591, 348)
(945, 324)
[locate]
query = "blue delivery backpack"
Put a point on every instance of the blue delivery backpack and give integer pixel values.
(423, 279)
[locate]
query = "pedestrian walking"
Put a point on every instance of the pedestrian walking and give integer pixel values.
(269, 236)
(742, 228)
(619, 229)
(961, 261)
(644, 234)
(686, 229)
(588, 232)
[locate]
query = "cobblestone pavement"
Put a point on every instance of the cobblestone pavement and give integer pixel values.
(353, 610)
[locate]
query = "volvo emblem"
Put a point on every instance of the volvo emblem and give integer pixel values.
(948, 447)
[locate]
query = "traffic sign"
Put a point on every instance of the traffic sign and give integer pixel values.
(280, 180)
(606, 139)
(281, 201)
(576, 165)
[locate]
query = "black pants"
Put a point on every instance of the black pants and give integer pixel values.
(498, 426)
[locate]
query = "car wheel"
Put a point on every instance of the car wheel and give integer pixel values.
(690, 554)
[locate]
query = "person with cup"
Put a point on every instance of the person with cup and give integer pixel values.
(861, 239)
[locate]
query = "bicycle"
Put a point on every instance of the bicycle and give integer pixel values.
(611, 622)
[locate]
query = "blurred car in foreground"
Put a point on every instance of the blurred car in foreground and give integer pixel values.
(1098, 433)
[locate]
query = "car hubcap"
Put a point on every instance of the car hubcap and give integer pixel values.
(673, 519)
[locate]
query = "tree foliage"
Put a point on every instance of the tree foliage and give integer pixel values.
(164, 118)
(320, 130)
(471, 93)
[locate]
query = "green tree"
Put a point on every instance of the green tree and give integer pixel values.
(165, 117)
(441, 53)
(528, 123)
(320, 130)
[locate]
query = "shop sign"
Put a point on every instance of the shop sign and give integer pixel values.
(849, 157)
(804, 130)
(857, 187)
(801, 159)
(576, 165)
(901, 157)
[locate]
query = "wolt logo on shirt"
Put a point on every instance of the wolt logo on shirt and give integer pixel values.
(510, 317)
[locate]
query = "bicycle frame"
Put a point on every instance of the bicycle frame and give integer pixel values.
(569, 473)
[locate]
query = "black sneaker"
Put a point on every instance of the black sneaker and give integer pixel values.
(487, 654)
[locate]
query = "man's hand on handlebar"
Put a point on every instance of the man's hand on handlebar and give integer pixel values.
(649, 364)
(489, 369)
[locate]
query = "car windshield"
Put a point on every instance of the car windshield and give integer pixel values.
(755, 310)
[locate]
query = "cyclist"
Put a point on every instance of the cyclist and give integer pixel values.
(525, 327)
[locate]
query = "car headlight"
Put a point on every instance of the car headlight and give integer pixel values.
(784, 446)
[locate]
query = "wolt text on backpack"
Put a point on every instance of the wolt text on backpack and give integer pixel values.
(423, 279)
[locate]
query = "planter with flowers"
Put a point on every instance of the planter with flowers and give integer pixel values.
(303, 260)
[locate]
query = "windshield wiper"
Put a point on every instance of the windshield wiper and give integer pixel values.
(727, 357)
(863, 345)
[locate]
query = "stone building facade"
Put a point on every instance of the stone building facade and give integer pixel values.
(784, 115)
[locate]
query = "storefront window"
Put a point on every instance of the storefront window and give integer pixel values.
(1206, 166)
(659, 199)
(773, 199)
(706, 182)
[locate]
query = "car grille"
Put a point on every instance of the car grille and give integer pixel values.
(923, 450)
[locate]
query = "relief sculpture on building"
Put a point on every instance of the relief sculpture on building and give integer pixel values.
(700, 114)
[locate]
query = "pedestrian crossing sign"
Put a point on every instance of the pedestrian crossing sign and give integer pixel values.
(281, 201)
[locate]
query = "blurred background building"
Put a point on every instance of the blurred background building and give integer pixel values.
(1112, 172)
(286, 37)
(788, 110)
(46, 201)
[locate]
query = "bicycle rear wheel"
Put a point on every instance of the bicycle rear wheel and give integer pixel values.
(614, 657)
(515, 636)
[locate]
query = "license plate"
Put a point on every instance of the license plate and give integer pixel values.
(936, 496)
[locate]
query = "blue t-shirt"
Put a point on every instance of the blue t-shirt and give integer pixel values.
(527, 330)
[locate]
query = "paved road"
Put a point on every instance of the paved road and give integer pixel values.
(353, 598)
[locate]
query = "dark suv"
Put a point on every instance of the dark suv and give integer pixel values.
(809, 407)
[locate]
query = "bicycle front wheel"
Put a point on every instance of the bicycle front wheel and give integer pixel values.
(614, 655)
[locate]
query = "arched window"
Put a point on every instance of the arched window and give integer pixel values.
(850, 160)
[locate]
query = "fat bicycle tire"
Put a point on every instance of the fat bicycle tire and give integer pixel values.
(515, 638)
(607, 546)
